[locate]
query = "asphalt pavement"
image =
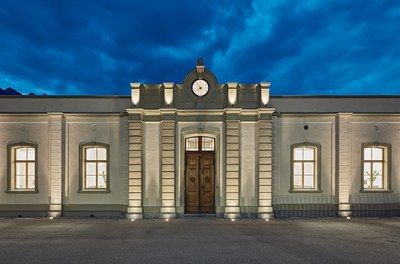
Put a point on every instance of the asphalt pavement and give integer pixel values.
(199, 240)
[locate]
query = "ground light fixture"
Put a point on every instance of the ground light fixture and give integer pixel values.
(348, 218)
(233, 219)
(132, 220)
(51, 218)
(166, 219)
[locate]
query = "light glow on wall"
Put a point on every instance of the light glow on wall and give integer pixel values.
(265, 92)
(232, 92)
(168, 93)
(135, 93)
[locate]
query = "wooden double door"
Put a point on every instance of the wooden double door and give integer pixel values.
(200, 182)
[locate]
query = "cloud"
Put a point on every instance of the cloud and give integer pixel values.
(99, 47)
(319, 47)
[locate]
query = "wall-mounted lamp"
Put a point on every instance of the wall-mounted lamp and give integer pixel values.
(135, 93)
(168, 93)
(232, 92)
(265, 93)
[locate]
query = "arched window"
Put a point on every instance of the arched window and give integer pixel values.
(200, 144)
(375, 166)
(22, 167)
(305, 167)
(94, 167)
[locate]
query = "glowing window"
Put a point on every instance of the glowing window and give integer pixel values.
(207, 144)
(95, 168)
(200, 144)
(304, 168)
(23, 168)
(192, 144)
(375, 167)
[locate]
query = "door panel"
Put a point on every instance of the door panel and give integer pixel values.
(192, 182)
(207, 183)
(200, 182)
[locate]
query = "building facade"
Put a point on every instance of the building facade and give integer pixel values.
(200, 147)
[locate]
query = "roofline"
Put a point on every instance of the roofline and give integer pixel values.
(335, 96)
(128, 96)
(68, 96)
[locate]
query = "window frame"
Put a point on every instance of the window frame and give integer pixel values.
(199, 140)
(317, 168)
(386, 167)
(12, 163)
(82, 172)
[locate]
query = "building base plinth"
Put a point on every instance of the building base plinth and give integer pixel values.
(168, 212)
(344, 210)
(55, 210)
(54, 213)
(134, 216)
(344, 213)
(265, 215)
(167, 215)
(232, 215)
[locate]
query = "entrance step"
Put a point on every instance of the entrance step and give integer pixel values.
(199, 215)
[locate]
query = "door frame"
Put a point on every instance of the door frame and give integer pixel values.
(219, 189)
(199, 153)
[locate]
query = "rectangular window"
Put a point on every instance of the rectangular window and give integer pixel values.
(95, 168)
(200, 144)
(207, 144)
(375, 169)
(23, 168)
(304, 168)
(192, 144)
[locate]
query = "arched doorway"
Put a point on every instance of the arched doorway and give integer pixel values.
(200, 175)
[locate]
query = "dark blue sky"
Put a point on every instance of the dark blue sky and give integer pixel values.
(100, 46)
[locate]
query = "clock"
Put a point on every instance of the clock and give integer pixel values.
(200, 87)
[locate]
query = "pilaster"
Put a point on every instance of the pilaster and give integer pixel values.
(232, 161)
(344, 163)
(55, 163)
(168, 131)
(135, 191)
(265, 209)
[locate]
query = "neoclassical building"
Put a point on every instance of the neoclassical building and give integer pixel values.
(200, 147)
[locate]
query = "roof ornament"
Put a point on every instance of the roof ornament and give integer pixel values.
(200, 66)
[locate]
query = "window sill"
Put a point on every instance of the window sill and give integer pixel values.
(304, 191)
(94, 191)
(376, 191)
(23, 191)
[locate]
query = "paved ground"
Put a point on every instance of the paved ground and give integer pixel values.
(199, 240)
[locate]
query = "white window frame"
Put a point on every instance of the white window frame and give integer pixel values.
(316, 161)
(83, 165)
(13, 162)
(384, 162)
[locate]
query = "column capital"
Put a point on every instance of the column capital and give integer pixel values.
(344, 115)
(264, 85)
(168, 114)
(265, 113)
(55, 113)
(168, 85)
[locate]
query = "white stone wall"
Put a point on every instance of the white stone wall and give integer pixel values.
(290, 130)
(371, 129)
(111, 130)
(29, 129)
(151, 166)
(248, 164)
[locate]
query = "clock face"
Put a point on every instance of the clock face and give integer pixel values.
(200, 87)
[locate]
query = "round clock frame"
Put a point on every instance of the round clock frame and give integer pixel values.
(200, 87)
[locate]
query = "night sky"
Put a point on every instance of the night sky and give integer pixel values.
(98, 47)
